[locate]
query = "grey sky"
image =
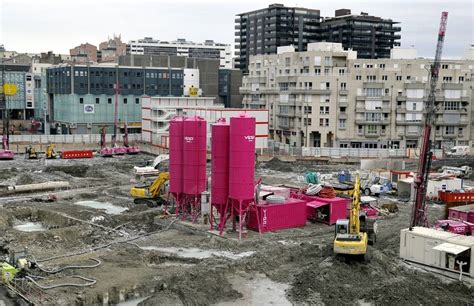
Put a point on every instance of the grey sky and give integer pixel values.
(58, 25)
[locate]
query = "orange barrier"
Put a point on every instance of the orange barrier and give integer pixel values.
(76, 154)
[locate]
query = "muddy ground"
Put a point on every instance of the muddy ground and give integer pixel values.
(147, 259)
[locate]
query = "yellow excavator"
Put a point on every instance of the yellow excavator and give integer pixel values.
(353, 235)
(50, 153)
(30, 152)
(152, 195)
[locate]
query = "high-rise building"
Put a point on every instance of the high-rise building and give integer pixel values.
(262, 31)
(327, 97)
(182, 47)
(370, 36)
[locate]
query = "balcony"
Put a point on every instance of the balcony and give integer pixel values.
(343, 92)
(401, 98)
(380, 110)
(366, 122)
(286, 125)
(401, 110)
(405, 122)
(445, 123)
(455, 86)
(315, 91)
(454, 111)
(257, 102)
(344, 103)
(342, 115)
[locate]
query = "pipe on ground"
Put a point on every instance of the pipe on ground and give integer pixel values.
(38, 187)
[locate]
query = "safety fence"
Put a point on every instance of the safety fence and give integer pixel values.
(76, 138)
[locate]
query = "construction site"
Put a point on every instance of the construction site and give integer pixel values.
(212, 220)
(126, 252)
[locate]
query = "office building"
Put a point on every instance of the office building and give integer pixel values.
(82, 97)
(182, 47)
(370, 36)
(327, 97)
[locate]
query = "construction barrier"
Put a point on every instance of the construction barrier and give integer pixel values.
(76, 154)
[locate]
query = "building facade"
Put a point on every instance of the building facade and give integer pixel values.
(111, 49)
(82, 98)
(370, 36)
(230, 81)
(181, 47)
(327, 97)
(263, 31)
(84, 53)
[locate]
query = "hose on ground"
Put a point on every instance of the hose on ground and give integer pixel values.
(98, 263)
(90, 282)
(313, 189)
(108, 244)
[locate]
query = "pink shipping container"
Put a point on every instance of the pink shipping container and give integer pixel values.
(453, 226)
(176, 155)
(464, 213)
(274, 217)
(220, 162)
(194, 155)
(242, 158)
(327, 211)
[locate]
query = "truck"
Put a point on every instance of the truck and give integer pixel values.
(459, 151)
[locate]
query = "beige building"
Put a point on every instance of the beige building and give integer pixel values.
(326, 97)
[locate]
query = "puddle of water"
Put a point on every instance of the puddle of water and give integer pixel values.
(108, 207)
(198, 253)
(132, 302)
(258, 291)
(30, 227)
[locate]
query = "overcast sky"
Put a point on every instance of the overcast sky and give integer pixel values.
(58, 25)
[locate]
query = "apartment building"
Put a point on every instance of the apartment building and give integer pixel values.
(183, 47)
(264, 30)
(327, 97)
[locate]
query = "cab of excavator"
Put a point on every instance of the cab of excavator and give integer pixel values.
(342, 227)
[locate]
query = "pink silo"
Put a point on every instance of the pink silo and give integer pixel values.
(220, 162)
(176, 155)
(242, 157)
(194, 155)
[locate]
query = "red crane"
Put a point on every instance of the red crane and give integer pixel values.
(419, 217)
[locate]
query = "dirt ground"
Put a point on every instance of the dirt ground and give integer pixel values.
(148, 260)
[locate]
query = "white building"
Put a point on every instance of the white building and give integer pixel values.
(182, 47)
(158, 111)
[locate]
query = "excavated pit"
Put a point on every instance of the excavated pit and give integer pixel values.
(147, 260)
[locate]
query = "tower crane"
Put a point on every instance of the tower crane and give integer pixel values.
(419, 217)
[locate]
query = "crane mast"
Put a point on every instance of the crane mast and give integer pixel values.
(419, 217)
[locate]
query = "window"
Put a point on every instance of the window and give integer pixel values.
(109, 100)
(81, 100)
(371, 78)
(360, 129)
(382, 65)
(369, 66)
(97, 100)
(125, 101)
(371, 129)
(460, 131)
(408, 77)
(327, 71)
(308, 109)
(324, 110)
(317, 71)
(461, 79)
(76, 73)
(343, 86)
(307, 121)
(447, 79)
(373, 117)
(137, 100)
(358, 77)
(342, 110)
(384, 77)
(449, 130)
(399, 77)
(342, 123)
(452, 105)
(287, 61)
(373, 92)
(444, 66)
(323, 122)
(356, 65)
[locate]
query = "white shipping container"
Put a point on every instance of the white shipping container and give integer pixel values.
(437, 249)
